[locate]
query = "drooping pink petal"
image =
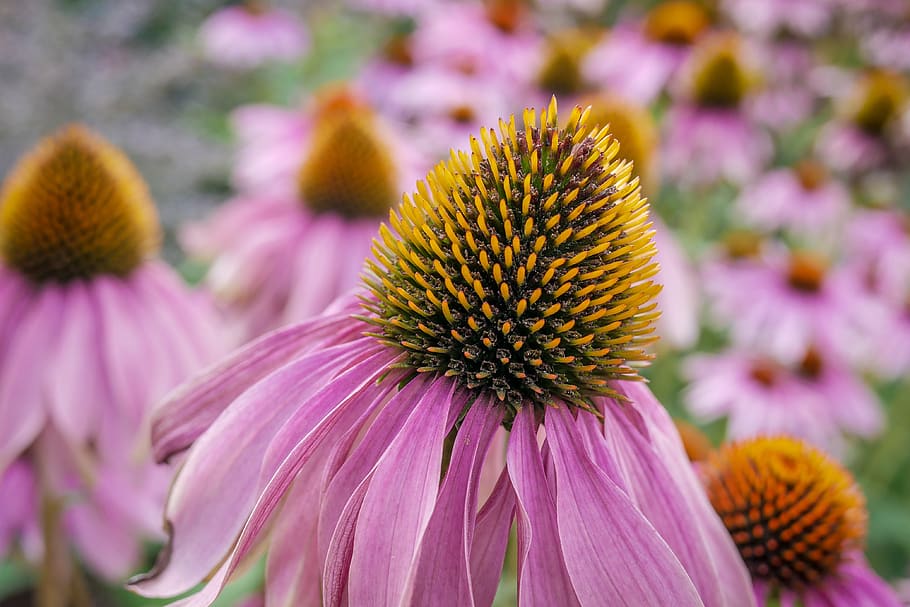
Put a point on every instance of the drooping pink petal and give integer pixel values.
(389, 530)
(345, 397)
(292, 568)
(660, 499)
(77, 363)
(542, 576)
(357, 465)
(613, 554)
(735, 581)
(442, 575)
(22, 377)
(190, 409)
(214, 492)
(491, 537)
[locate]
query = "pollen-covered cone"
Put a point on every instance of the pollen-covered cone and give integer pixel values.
(799, 522)
(489, 379)
(93, 331)
(283, 254)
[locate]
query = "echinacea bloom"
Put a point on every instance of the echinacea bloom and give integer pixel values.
(818, 398)
(279, 258)
(808, 18)
(709, 135)
(251, 34)
(799, 521)
(869, 123)
(561, 61)
(656, 47)
(94, 331)
(784, 303)
(804, 200)
(512, 290)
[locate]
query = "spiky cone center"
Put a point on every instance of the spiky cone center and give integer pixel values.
(506, 15)
(878, 101)
(793, 513)
(677, 22)
(806, 272)
(633, 126)
(721, 76)
(73, 208)
(561, 69)
(349, 168)
(524, 267)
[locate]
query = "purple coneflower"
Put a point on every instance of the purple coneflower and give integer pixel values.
(514, 290)
(808, 18)
(818, 398)
(709, 135)
(279, 258)
(799, 521)
(783, 304)
(869, 126)
(805, 200)
(93, 332)
(656, 47)
(250, 34)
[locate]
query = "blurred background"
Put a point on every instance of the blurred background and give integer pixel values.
(771, 137)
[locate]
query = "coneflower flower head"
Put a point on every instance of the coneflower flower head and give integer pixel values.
(75, 208)
(512, 290)
(93, 331)
(561, 71)
(877, 102)
(677, 22)
(524, 267)
(721, 76)
(349, 169)
(798, 519)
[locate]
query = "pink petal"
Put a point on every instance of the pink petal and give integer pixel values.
(190, 409)
(219, 483)
(612, 552)
(292, 568)
(442, 573)
(22, 376)
(735, 581)
(491, 536)
(389, 530)
(542, 576)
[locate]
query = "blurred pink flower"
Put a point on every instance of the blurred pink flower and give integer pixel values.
(656, 46)
(246, 36)
(707, 145)
(783, 304)
(809, 18)
(804, 200)
(94, 331)
(333, 437)
(298, 239)
(819, 398)
(789, 98)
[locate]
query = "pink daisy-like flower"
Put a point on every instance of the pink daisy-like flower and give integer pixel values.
(249, 35)
(808, 18)
(805, 200)
(819, 398)
(870, 123)
(656, 47)
(879, 241)
(789, 98)
(93, 332)
(514, 292)
(709, 136)
(799, 521)
(278, 258)
(783, 304)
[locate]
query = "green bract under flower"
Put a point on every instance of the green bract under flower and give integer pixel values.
(524, 267)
